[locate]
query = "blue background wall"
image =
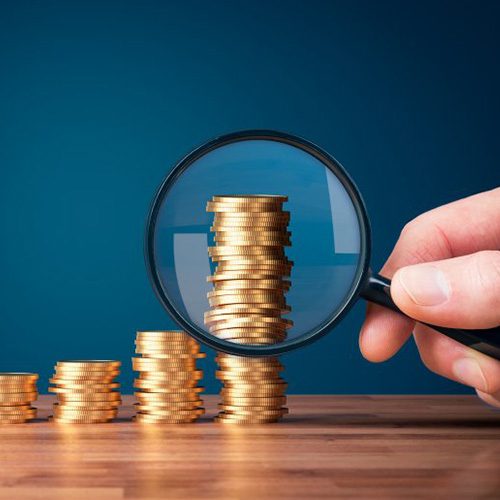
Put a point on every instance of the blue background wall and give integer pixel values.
(99, 99)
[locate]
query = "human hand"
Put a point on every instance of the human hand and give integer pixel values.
(445, 270)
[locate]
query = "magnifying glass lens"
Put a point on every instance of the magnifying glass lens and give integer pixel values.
(302, 248)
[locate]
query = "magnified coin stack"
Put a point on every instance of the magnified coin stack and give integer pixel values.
(248, 301)
(168, 390)
(87, 391)
(17, 392)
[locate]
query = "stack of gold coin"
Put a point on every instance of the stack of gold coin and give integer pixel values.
(17, 392)
(167, 386)
(248, 301)
(86, 391)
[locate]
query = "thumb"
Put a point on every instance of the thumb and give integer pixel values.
(463, 292)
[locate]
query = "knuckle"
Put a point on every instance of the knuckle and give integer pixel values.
(423, 241)
(486, 271)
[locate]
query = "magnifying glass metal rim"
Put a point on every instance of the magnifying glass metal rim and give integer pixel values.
(365, 243)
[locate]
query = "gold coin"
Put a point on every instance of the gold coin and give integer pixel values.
(258, 216)
(176, 412)
(254, 300)
(251, 260)
(246, 360)
(85, 396)
(269, 294)
(232, 419)
(250, 330)
(249, 276)
(87, 375)
(216, 318)
(247, 338)
(157, 364)
(231, 408)
(244, 207)
(63, 411)
(80, 380)
(156, 398)
(250, 232)
(161, 344)
(170, 364)
(165, 399)
(97, 405)
(20, 397)
(246, 251)
(13, 420)
(10, 389)
(83, 383)
(170, 388)
(243, 369)
(79, 420)
(169, 354)
(252, 390)
(222, 260)
(217, 314)
(260, 374)
(28, 412)
(248, 368)
(92, 364)
(254, 238)
(188, 391)
(255, 387)
(237, 270)
(165, 336)
(89, 410)
(263, 322)
(250, 321)
(164, 375)
(227, 221)
(15, 407)
(251, 243)
(166, 405)
(152, 419)
(253, 284)
(248, 309)
(15, 377)
(84, 389)
(256, 401)
(168, 381)
(241, 198)
(250, 411)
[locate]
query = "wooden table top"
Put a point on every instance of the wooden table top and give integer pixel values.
(329, 446)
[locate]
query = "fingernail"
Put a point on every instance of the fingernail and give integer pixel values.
(469, 371)
(425, 284)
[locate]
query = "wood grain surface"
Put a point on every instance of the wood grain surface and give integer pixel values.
(329, 447)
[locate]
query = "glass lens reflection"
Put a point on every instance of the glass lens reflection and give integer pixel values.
(324, 226)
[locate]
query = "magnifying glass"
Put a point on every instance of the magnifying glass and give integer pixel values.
(327, 262)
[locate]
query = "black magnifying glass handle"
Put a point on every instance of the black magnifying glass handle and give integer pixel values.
(487, 341)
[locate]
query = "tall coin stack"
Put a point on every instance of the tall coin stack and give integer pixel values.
(168, 390)
(86, 391)
(248, 301)
(17, 392)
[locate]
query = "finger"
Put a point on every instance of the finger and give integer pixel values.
(459, 228)
(383, 333)
(452, 360)
(491, 399)
(463, 292)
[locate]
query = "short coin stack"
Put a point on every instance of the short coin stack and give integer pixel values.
(168, 390)
(248, 301)
(86, 391)
(17, 392)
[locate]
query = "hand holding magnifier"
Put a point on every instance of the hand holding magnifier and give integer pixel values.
(329, 227)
